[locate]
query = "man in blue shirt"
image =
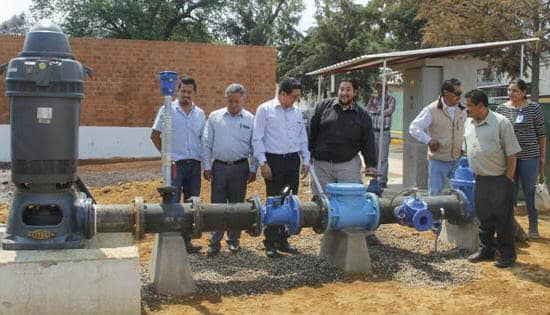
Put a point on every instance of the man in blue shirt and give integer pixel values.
(188, 122)
(227, 144)
(279, 140)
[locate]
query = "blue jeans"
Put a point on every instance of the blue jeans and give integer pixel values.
(438, 175)
(527, 172)
(386, 139)
(232, 238)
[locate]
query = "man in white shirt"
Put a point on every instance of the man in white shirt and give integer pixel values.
(440, 125)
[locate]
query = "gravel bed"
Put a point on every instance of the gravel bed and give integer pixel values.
(400, 256)
(101, 179)
(6, 187)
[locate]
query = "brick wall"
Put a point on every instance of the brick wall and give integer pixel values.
(125, 90)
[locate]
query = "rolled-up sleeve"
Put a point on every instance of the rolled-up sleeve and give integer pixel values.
(159, 123)
(418, 126)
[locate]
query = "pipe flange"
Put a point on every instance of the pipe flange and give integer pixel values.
(323, 204)
(139, 218)
(256, 226)
(196, 229)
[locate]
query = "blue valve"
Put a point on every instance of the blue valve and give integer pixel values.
(351, 206)
(168, 80)
(414, 212)
(283, 210)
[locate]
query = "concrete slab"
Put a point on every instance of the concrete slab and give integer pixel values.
(170, 269)
(347, 249)
(462, 236)
(92, 280)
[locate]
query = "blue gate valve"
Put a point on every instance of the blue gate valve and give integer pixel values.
(351, 206)
(282, 210)
(463, 181)
(413, 212)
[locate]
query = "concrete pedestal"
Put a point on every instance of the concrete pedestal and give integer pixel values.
(170, 269)
(462, 236)
(102, 278)
(347, 249)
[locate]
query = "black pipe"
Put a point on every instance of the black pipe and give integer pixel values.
(197, 217)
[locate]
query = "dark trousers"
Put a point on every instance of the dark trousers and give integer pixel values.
(285, 170)
(494, 206)
(228, 185)
(186, 177)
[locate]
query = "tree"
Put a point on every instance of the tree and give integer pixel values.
(346, 30)
(470, 21)
(132, 19)
(16, 25)
(260, 22)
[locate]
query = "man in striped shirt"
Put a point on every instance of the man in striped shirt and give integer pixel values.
(381, 122)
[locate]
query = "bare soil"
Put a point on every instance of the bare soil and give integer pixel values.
(522, 289)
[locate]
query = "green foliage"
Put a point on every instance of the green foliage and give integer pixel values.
(346, 30)
(132, 19)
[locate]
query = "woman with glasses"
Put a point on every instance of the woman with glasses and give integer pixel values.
(528, 120)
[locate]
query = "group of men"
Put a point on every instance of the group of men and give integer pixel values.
(488, 137)
(233, 143)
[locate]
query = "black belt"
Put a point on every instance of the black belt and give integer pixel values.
(284, 156)
(385, 129)
(231, 162)
(188, 161)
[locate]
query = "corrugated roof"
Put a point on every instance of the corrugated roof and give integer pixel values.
(400, 57)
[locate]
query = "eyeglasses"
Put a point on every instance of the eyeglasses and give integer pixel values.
(456, 93)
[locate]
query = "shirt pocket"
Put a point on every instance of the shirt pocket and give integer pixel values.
(295, 127)
(196, 126)
(244, 133)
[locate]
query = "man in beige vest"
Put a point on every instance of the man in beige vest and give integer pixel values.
(441, 126)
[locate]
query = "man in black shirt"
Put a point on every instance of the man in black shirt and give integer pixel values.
(339, 130)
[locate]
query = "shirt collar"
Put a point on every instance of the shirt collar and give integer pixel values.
(488, 120)
(277, 104)
(226, 112)
(353, 106)
(180, 109)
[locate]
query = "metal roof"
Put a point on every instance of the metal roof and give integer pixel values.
(400, 57)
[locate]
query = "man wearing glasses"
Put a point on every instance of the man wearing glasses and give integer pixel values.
(441, 126)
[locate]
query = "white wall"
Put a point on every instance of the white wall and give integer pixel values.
(99, 143)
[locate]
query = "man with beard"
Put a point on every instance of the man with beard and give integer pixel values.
(339, 129)
(188, 122)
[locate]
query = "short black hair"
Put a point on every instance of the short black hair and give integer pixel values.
(478, 96)
(449, 85)
(188, 81)
(353, 82)
(288, 84)
(522, 85)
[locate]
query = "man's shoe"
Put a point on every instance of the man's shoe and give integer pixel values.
(533, 232)
(234, 248)
(480, 256)
(372, 240)
(504, 262)
(286, 248)
(192, 249)
(212, 251)
(270, 251)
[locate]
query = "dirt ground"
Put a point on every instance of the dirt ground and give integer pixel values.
(522, 289)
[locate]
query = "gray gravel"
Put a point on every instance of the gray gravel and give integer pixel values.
(100, 179)
(6, 187)
(400, 256)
